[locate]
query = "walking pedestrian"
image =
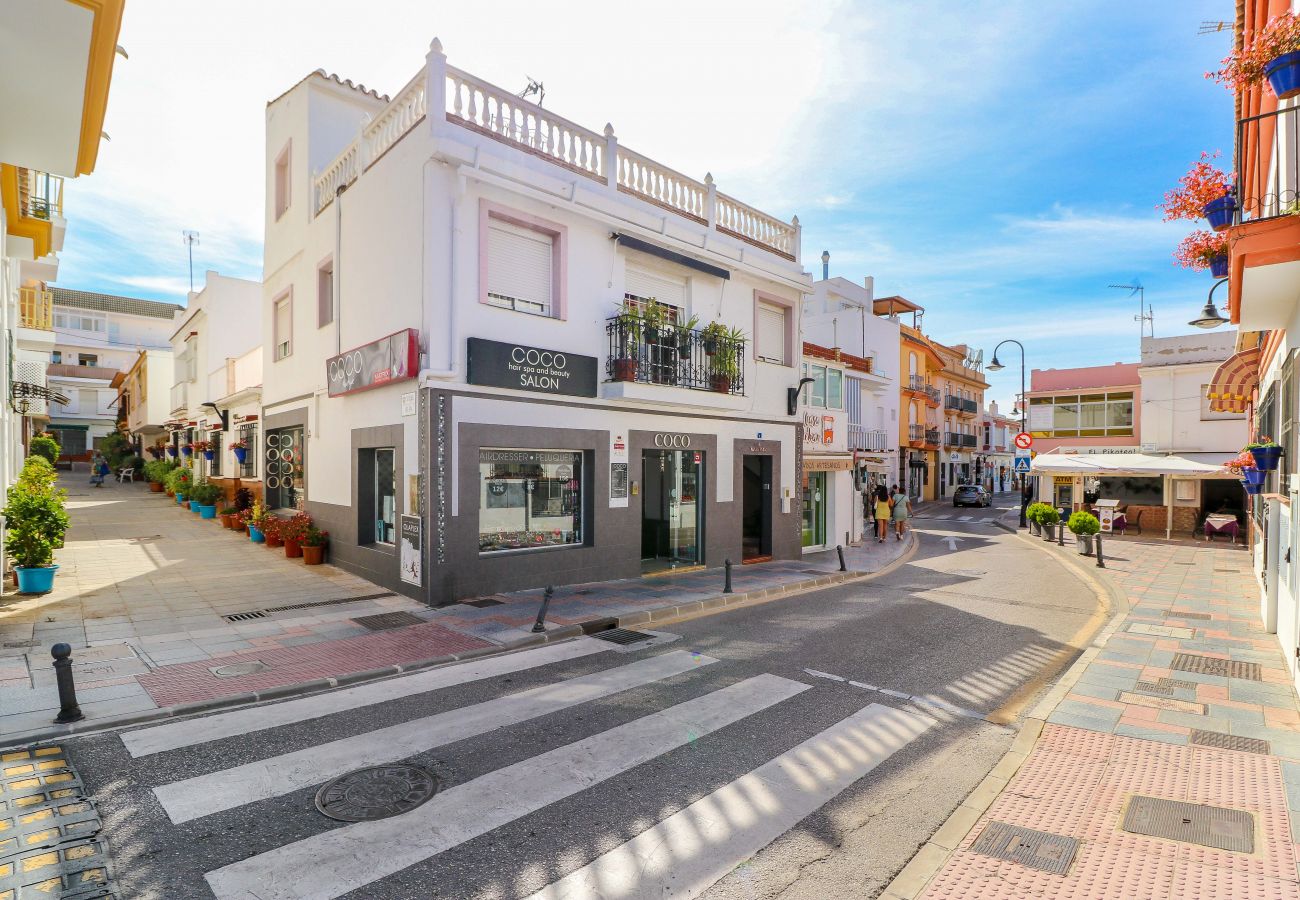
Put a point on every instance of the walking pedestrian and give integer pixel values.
(96, 477)
(883, 511)
(902, 512)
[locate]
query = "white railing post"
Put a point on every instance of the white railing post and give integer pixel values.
(711, 204)
(796, 239)
(363, 152)
(611, 157)
(435, 87)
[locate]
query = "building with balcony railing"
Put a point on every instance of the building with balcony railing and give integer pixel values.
(919, 366)
(997, 431)
(582, 358)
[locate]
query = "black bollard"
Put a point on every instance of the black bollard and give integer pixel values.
(726, 584)
(1060, 535)
(540, 625)
(840, 550)
(1101, 564)
(69, 710)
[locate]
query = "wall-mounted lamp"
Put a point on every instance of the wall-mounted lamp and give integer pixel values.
(1210, 317)
(222, 414)
(792, 396)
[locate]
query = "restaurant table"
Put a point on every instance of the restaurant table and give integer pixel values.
(1216, 524)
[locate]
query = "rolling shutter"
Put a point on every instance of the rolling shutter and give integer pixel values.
(664, 288)
(519, 267)
(770, 339)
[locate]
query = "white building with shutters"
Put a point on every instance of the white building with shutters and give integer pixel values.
(506, 351)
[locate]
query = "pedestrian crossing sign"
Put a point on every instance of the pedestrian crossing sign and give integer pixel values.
(1022, 465)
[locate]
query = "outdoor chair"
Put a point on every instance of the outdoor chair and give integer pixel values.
(126, 475)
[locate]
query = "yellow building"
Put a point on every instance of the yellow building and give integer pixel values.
(919, 424)
(962, 385)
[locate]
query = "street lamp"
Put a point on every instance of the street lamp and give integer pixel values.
(997, 366)
(1210, 317)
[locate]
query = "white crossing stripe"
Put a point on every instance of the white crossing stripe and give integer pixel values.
(964, 518)
(175, 735)
(686, 853)
(340, 860)
(944, 516)
(277, 775)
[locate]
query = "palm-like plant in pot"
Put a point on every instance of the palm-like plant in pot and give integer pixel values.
(205, 494)
(35, 523)
(627, 342)
(725, 362)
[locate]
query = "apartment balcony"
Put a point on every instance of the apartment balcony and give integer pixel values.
(951, 402)
(932, 397)
(968, 408)
(951, 439)
(682, 358)
(33, 203)
(932, 438)
(180, 398)
(873, 440)
(64, 370)
(916, 386)
(1264, 255)
(36, 309)
(969, 441)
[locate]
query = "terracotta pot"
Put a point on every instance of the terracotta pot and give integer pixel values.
(292, 549)
(313, 556)
(170, 493)
(273, 540)
(155, 487)
(625, 370)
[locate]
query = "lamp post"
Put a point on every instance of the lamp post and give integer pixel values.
(1210, 317)
(997, 366)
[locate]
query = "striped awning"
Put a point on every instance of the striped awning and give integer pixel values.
(1229, 389)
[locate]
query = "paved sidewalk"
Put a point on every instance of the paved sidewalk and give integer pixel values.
(1150, 711)
(163, 608)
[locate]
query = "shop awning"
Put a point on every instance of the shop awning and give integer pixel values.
(1137, 465)
(1236, 377)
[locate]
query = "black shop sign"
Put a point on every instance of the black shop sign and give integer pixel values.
(532, 369)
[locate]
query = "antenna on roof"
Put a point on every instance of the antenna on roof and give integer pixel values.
(191, 238)
(1145, 315)
(1208, 27)
(534, 87)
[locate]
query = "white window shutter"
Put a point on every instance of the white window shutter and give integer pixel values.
(519, 267)
(771, 333)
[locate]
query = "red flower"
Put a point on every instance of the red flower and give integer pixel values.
(1202, 183)
(1245, 67)
(1199, 247)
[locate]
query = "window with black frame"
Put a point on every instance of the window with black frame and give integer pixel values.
(1265, 425)
(529, 499)
(1285, 415)
(248, 434)
(214, 467)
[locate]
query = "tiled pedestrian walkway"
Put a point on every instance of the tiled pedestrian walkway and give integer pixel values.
(146, 592)
(1188, 700)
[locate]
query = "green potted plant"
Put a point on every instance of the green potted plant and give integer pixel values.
(725, 362)
(1032, 513)
(1084, 525)
(178, 483)
(1049, 519)
(654, 318)
(203, 498)
(686, 335)
(156, 472)
(313, 545)
(1266, 452)
(627, 342)
(45, 446)
(227, 516)
(254, 517)
(35, 523)
(271, 530)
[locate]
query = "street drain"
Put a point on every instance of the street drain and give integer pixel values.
(1040, 850)
(1208, 826)
(1208, 665)
(377, 792)
(1148, 687)
(383, 621)
(481, 602)
(243, 668)
(622, 636)
(1229, 742)
(335, 602)
(245, 616)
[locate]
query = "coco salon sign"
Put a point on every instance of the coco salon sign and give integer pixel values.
(394, 358)
(532, 369)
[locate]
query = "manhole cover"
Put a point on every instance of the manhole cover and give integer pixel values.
(481, 602)
(622, 636)
(1229, 742)
(243, 668)
(376, 793)
(1209, 826)
(1036, 849)
(245, 616)
(1208, 665)
(388, 620)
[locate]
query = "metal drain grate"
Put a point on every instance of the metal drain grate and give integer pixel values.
(622, 636)
(1208, 826)
(340, 600)
(1229, 742)
(481, 602)
(1178, 615)
(1208, 665)
(388, 620)
(245, 616)
(1040, 850)
(1148, 687)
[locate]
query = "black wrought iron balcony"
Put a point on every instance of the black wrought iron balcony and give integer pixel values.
(968, 440)
(932, 436)
(681, 357)
(969, 406)
(916, 432)
(951, 402)
(1268, 166)
(932, 394)
(951, 439)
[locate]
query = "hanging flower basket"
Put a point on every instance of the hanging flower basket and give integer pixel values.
(1283, 75)
(1219, 266)
(1272, 56)
(1252, 489)
(1253, 476)
(209, 454)
(1266, 456)
(1219, 212)
(241, 454)
(187, 450)
(171, 451)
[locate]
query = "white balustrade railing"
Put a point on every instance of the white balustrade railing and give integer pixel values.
(474, 102)
(396, 119)
(746, 222)
(660, 184)
(340, 173)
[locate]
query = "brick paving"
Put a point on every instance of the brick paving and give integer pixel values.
(1124, 729)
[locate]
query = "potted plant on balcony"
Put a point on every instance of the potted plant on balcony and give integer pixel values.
(1084, 525)
(1274, 55)
(711, 336)
(1265, 453)
(240, 449)
(654, 318)
(35, 523)
(1203, 250)
(626, 343)
(725, 363)
(205, 447)
(686, 335)
(1205, 191)
(313, 545)
(292, 531)
(203, 498)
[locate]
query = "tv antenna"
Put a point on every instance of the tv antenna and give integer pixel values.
(534, 87)
(191, 238)
(1145, 316)
(1208, 27)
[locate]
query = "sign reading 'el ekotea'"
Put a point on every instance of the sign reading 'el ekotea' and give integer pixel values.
(389, 359)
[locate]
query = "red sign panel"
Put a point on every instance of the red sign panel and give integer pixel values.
(394, 358)
(1024, 441)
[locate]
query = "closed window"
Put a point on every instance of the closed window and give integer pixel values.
(87, 359)
(88, 401)
(519, 273)
(214, 467)
(283, 327)
(834, 388)
(282, 181)
(325, 294)
(770, 339)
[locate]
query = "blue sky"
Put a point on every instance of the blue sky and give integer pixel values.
(998, 163)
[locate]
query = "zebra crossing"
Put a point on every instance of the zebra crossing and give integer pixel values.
(222, 779)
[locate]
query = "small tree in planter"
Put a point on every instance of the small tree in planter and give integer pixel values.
(313, 545)
(725, 361)
(1084, 525)
(1205, 191)
(1034, 513)
(35, 523)
(292, 531)
(1203, 250)
(1274, 55)
(1049, 519)
(45, 446)
(628, 332)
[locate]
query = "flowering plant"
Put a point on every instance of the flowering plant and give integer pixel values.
(1202, 184)
(1261, 441)
(238, 445)
(1199, 247)
(254, 515)
(295, 529)
(201, 446)
(1245, 67)
(315, 537)
(1242, 460)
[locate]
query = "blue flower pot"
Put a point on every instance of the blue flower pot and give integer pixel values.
(241, 454)
(1252, 489)
(1253, 476)
(1284, 75)
(171, 451)
(1219, 266)
(195, 506)
(180, 498)
(36, 580)
(1266, 458)
(1219, 212)
(187, 451)
(208, 512)
(255, 535)
(208, 454)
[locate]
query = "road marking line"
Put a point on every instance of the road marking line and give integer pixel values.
(326, 865)
(964, 518)
(928, 700)
(275, 776)
(189, 732)
(816, 674)
(686, 853)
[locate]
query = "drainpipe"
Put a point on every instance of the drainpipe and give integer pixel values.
(338, 268)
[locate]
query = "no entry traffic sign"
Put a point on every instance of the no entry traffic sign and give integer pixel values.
(1024, 441)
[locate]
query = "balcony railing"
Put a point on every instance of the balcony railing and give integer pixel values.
(951, 402)
(968, 440)
(1268, 165)
(68, 370)
(932, 394)
(36, 308)
(873, 439)
(40, 194)
(180, 396)
(951, 439)
(915, 383)
(932, 436)
(680, 357)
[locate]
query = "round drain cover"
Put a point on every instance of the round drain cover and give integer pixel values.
(376, 793)
(243, 668)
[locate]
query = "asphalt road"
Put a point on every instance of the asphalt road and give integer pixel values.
(625, 764)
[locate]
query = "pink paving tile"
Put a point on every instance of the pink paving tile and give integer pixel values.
(1075, 741)
(1281, 718)
(1049, 793)
(185, 682)
(1241, 780)
(1095, 701)
(1275, 676)
(1152, 674)
(1139, 715)
(1208, 692)
(1195, 879)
